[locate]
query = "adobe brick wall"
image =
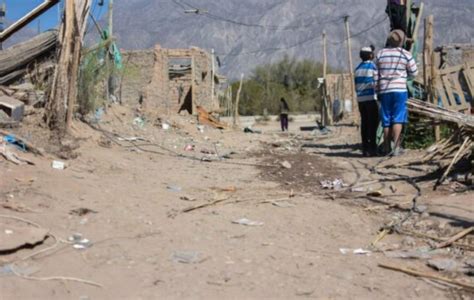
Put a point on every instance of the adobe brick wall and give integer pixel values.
(149, 76)
(138, 72)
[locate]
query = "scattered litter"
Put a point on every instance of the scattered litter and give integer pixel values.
(358, 251)
(421, 208)
(375, 194)
(79, 242)
(231, 189)
(189, 147)
(393, 189)
(82, 211)
(11, 140)
(99, 113)
(335, 184)
(247, 222)
(186, 257)
(249, 129)
(174, 188)
(138, 121)
(165, 126)
(358, 189)
(131, 139)
(13, 157)
(58, 165)
(186, 198)
(286, 164)
(200, 128)
(283, 204)
(206, 151)
(443, 264)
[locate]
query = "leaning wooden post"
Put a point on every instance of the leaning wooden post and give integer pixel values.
(323, 99)
(351, 67)
(430, 69)
(237, 100)
(72, 95)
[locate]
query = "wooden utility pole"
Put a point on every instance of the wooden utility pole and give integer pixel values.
(325, 55)
(62, 100)
(212, 75)
(111, 17)
(326, 111)
(110, 58)
(429, 68)
(237, 100)
(3, 12)
(351, 68)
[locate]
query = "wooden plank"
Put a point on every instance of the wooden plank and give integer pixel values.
(450, 70)
(459, 91)
(449, 92)
(22, 22)
(468, 74)
(442, 94)
(417, 25)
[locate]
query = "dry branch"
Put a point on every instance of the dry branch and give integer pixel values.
(441, 114)
(416, 273)
(458, 236)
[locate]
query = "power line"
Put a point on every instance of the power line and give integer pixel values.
(312, 39)
(184, 5)
(361, 32)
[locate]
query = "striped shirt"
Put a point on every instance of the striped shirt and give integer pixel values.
(365, 79)
(394, 66)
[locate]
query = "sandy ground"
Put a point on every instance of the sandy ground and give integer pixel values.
(145, 247)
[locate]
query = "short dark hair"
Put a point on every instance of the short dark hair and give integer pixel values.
(364, 55)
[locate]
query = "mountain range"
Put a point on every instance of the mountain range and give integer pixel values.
(246, 33)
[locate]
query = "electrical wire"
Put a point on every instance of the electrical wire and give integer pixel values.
(185, 5)
(361, 32)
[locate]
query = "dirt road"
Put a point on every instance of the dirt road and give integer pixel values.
(145, 247)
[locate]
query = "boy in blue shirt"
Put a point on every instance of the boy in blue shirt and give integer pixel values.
(366, 77)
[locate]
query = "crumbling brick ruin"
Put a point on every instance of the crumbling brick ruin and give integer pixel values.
(170, 80)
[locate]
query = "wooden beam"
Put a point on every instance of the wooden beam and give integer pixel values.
(39, 10)
(237, 101)
(351, 66)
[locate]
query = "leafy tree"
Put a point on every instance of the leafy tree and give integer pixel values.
(295, 80)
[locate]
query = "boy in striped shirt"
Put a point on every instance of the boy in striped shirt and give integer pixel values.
(365, 80)
(394, 65)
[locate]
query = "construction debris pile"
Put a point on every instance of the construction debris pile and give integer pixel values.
(29, 64)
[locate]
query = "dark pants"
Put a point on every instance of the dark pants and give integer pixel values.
(398, 17)
(369, 115)
(284, 122)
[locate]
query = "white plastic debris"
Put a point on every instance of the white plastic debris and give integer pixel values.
(247, 222)
(58, 165)
(165, 126)
(335, 184)
(358, 251)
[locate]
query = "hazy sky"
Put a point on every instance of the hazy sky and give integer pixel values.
(18, 8)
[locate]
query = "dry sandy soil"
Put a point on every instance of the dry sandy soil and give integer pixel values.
(145, 246)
